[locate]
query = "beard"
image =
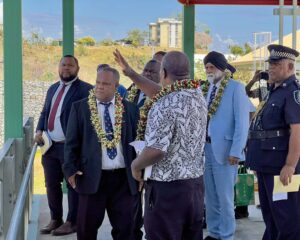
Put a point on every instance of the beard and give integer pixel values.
(211, 77)
(67, 79)
(214, 77)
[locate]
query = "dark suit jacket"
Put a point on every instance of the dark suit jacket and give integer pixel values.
(136, 98)
(77, 91)
(83, 150)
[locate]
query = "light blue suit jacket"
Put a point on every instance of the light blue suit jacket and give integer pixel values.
(229, 126)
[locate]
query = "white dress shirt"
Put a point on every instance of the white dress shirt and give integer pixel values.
(141, 97)
(207, 100)
(118, 161)
(57, 134)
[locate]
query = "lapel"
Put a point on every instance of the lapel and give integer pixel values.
(136, 99)
(94, 136)
(51, 94)
(70, 93)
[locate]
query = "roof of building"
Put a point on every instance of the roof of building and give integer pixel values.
(263, 51)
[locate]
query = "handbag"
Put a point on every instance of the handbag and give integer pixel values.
(244, 188)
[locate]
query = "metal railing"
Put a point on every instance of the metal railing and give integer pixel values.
(14, 159)
(19, 207)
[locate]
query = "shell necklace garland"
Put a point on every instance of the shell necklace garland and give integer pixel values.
(216, 102)
(119, 109)
(132, 93)
(177, 86)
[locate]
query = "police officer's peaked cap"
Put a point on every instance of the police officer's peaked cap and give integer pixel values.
(279, 52)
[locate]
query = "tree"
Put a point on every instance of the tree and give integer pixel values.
(87, 41)
(36, 38)
(136, 37)
(107, 42)
(247, 48)
(236, 50)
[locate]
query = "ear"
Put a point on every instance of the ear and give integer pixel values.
(291, 66)
(165, 73)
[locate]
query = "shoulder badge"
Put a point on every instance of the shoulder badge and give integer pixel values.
(297, 96)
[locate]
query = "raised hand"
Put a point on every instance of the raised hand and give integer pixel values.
(122, 63)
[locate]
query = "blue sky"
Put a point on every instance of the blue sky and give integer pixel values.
(113, 19)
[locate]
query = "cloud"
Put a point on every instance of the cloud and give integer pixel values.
(222, 44)
(77, 30)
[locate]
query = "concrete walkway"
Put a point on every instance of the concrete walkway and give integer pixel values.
(247, 229)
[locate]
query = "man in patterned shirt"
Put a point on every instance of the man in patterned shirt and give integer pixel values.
(175, 137)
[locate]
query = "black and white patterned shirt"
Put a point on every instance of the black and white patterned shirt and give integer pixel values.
(176, 125)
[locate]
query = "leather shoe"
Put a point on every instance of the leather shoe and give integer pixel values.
(53, 224)
(64, 229)
(210, 238)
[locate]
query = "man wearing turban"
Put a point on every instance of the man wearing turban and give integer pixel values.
(227, 128)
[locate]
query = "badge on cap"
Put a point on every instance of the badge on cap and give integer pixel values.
(297, 96)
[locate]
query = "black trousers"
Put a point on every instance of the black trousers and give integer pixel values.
(52, 162)
(282, 218)
(174, 210)
(123, 209)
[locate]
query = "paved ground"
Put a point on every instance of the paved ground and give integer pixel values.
(247, 229)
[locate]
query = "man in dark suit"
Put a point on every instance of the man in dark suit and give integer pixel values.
(98, 159)
(151, 71)
(53, 120)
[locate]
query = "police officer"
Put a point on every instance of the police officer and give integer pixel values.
(274, 145)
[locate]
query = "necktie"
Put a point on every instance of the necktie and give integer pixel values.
(55, 107)
(111, 152)
(212, 96)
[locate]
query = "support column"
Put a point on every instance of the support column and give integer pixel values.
(295, 24)
(68, 27)
(13, 89)
(189, 34)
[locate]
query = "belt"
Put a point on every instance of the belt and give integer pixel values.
(268, 134)
(59, 142)
(208, 139)
(116, 170)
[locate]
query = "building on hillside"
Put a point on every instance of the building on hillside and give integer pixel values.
(166, 32)
(246, 62)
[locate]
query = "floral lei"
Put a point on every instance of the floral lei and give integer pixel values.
(177, 86)
(132, 93)
(97, 124)
(216, 102)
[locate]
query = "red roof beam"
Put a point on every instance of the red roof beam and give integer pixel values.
(236, 2)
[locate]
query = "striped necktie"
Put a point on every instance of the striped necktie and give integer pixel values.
(212, 96)
(111, 152)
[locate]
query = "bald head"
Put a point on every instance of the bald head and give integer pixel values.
(175, 65)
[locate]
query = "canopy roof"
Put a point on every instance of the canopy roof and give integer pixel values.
(236, 2)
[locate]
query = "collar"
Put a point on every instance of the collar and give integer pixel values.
(68, 83)
(217, 84)
(285, 83)
(113, 101)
